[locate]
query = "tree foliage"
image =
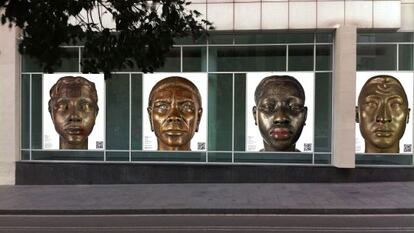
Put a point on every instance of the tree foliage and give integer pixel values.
(139, 35)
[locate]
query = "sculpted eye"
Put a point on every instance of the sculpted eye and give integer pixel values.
(396, 103)
(266, 107)
(161, 106)
(61, 106)
(371, 104)
(295, 107)
(85, 106)
(187, 107)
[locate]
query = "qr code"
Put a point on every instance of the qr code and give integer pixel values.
(407, 148)
(307, 147)
(201, 146)
(99, 144)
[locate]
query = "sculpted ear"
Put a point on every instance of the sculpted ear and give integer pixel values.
(356, 114)
(149, 110)
(254, 111)
(408, 116)
(199, 114)
(306, 114)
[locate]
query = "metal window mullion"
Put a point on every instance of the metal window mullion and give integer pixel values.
(79, 59)
(30, 117)
(181, 58)
(398, 57)
(207, 69)
(232, 119)
(287, 58)
(314, 101)
(130, 118)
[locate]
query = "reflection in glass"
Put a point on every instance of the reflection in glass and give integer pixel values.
(252, 58)
(406, 57)
(300, 57)
(117, 112)
(220, 112)
(376, 57)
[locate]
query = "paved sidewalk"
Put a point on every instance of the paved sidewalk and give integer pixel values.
(275, 198)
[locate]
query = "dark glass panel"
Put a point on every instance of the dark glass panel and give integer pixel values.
(220, 107)
(117, 112)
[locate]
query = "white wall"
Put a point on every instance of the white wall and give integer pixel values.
(9, 105)
(306, 14)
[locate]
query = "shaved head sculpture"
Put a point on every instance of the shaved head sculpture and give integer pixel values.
(174, 109)
(382, 114)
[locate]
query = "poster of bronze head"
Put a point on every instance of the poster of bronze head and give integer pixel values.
(280, 111)
(73, 111)
(175, 112)
(383, 112)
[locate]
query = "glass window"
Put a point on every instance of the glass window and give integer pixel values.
(227, 64)
(239, 112)
(25, 111)
(37, 111)
(323, 57)
(323, 112)
(172, 61)
(136, 111)
(257, 58)
(220, 112)
(405, 57)
(79, 155)
(194, 59)
(324, 37)
(300, 57)
(170, 156)
(385, 37)
(117, 112)
(265, 157)
(376, 57)
(384, 159)
(69, 64)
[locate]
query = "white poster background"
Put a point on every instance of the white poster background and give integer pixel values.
(149, 140)
(50, 136)
(406, 79)
(254, 141)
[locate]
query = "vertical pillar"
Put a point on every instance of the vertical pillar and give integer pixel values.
(9, 104)
(343, 134)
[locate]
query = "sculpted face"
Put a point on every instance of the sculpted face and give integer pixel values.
(175, 112)
(280, 113)
(382, 114)
(73, 108)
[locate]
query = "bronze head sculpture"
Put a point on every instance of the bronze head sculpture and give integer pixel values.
(382, 114)
(175, 110)
(73, 107)
(280, 112)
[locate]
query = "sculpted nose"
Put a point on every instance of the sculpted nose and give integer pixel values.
(174, 116)
(74, 115)
(383, 114)
(280, 118)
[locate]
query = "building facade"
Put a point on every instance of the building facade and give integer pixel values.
(331, 47)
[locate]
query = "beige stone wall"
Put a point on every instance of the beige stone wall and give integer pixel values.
(9, 105)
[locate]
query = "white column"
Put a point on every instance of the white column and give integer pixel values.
(343, 132)
(9, 104)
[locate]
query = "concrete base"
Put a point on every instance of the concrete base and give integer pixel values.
(58, 173)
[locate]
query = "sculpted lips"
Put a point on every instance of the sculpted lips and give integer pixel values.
(175, 132)
(280, 133)
(73, 130)
(381, 132)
